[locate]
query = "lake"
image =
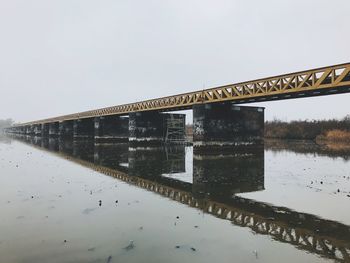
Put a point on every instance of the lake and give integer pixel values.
(77, 201)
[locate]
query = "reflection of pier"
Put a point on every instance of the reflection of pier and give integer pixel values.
(326, 238)
(227, 174)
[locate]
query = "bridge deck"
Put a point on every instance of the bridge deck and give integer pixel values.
(321, 81)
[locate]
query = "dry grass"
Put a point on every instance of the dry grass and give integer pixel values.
(336, 136)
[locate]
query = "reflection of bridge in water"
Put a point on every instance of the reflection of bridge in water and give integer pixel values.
(216, 180)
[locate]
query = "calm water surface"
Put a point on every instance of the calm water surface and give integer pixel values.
(83, 202)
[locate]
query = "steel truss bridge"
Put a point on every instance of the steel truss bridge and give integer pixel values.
(306, 232)
(316, 82)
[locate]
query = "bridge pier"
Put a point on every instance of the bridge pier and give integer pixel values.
(111, 128)
(15, 130)
(37, 129)
(156, 128)
(225, 125)
(45, 129)
(83, 128)
(66, 129)
(29, 130)
(54, 129)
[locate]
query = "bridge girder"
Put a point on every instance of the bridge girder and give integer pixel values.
(315, 82)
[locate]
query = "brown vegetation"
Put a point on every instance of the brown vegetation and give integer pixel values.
(308, 130)
(335, 136)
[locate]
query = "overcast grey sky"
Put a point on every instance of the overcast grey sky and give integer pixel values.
(64, 56)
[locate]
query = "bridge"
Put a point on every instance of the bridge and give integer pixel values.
(326, 238)
(218, 120)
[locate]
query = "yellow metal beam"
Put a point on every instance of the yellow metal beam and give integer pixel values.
(321, 81)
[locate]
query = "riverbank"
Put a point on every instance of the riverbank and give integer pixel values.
(330, 131)
(334, 136)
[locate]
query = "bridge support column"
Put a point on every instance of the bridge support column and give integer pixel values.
(29, 130)
(84, 128)
(66, 129)
(53, 129)
(45, 129)
(156, 128)
(226, 125)
(37, 129)
(111, 128)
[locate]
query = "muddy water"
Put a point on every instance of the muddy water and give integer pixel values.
(82, 202)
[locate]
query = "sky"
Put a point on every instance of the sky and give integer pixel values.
(64, 56)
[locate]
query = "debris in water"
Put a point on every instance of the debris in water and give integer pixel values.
(91, 249)
(196, 226)
(177, 246)
(193, 249)
(130, 246)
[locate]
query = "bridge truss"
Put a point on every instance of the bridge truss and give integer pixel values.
(315, 82)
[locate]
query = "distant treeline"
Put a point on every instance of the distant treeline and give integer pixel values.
(334, 130)
(5, 123)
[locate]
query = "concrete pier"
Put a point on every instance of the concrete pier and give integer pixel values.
(54, 129)
(227, 125)
(111, 128)
(29, 130)
(45, 129)
(18, 130)
(37, 129)
(156, 128)
(84, 128)
(66, 129)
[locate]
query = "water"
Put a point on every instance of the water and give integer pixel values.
(81, 202)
